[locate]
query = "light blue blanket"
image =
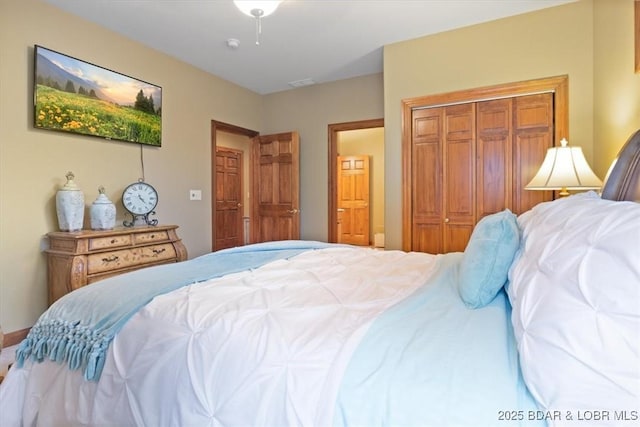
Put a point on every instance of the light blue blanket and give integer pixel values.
(431, 361)
(79, 327)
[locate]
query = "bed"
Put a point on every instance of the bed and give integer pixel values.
(536, 323)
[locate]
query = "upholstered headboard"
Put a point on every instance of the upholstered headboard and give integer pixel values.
(623, 180)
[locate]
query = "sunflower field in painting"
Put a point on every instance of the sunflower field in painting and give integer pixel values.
(84, 114)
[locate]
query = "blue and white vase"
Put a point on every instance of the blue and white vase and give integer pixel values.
(70, 206)
(102, 212)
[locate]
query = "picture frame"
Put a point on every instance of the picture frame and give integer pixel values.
(71, 95)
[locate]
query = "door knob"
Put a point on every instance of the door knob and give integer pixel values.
(446, 220)
(340, 210)
(293, 211)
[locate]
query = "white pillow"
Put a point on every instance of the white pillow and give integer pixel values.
(575, 291)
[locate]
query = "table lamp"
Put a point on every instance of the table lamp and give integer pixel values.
(564, 168)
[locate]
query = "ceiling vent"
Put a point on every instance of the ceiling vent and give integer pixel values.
(300, 83)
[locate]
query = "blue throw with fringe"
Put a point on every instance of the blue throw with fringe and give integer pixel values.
(78, 328)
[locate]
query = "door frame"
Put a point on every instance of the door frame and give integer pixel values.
(333, 130)
(217, 126)
(558, 85)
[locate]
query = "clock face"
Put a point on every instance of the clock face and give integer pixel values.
(140, 198)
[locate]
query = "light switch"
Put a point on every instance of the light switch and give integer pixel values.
(195, 194)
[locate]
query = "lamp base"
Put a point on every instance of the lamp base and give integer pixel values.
(563, 192)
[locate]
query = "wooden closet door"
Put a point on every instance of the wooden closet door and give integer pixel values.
(455, 172)
(472, 160)
(426, 169)
(533, 130)
(493, 147)
(459, 162)
(513, 137)
(443, 157)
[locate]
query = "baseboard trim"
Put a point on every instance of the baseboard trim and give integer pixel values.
(13, 338)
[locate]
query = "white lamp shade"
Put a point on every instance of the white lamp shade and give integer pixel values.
(257, 8)
(564, 168)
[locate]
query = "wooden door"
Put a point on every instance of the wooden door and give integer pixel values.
(533, 128)
(426, 179)
(515, 124)
(229, 230)
(493, 152)
(275, 182)
(513, 137)
(459, 162)
(474, 159)
(443, 173)
(353, 200)
(426, 159)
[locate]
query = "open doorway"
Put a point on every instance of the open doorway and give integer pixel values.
(356, 183)
(267, 207)
(230, 183)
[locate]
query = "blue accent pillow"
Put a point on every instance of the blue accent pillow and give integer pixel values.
(487, 258)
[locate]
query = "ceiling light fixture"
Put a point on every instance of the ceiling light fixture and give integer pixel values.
(257, 9)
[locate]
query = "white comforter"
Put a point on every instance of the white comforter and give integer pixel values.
(268, 346)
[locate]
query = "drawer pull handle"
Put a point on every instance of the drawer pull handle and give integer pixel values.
(159, 251)
(111, 259)
(153, 236)
(113, 241)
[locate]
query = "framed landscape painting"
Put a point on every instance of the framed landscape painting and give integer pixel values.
(75, 96)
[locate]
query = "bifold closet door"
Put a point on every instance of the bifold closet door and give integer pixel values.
(459, 177)
(494, 166)
(533, 130)
(471, 160)
(513, 135)
(443, 156)
(426, 179)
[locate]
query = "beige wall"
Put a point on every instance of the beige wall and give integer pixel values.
(368, 142)
(550, 42)
(616, 105)
(33, 162)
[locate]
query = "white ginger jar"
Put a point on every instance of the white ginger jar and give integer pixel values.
(70, 206)
(102, 212)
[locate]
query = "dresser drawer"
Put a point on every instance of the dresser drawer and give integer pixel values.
(101, 243)
(127, 258)
(79, 258)
(150, 237)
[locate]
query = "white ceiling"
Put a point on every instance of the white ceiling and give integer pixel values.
(322, 40)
